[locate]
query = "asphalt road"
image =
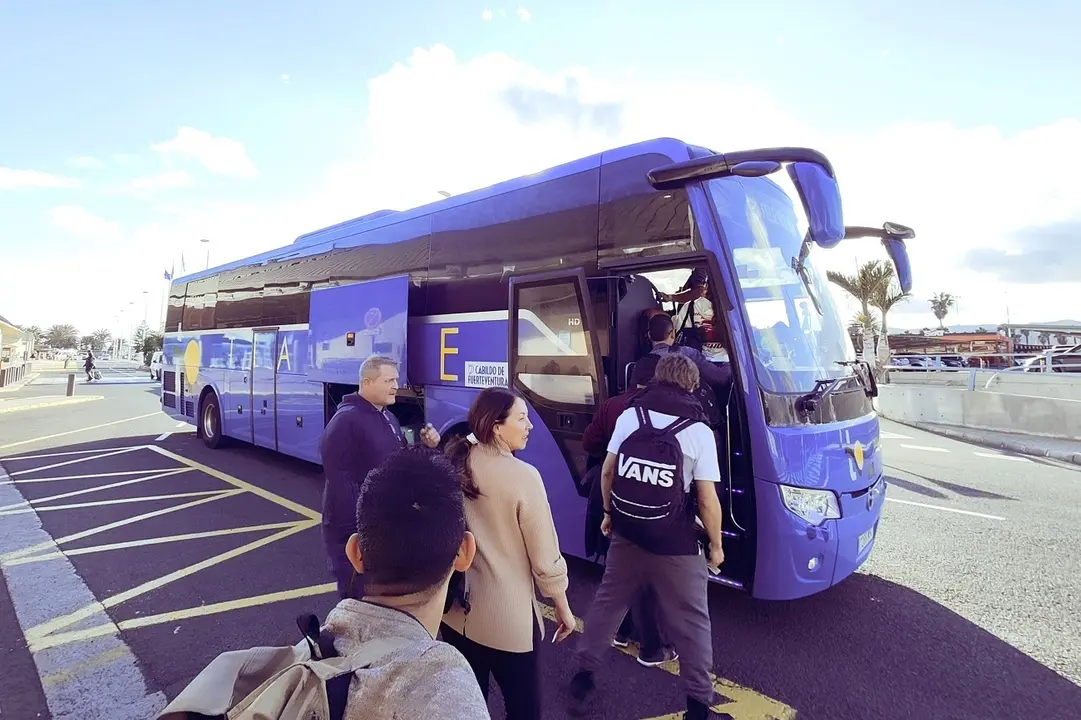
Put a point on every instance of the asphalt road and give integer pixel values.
(967, 608)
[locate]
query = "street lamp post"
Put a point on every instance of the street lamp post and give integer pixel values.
(207, 241)
(145, 294)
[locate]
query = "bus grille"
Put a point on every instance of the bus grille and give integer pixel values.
(169, 381)
(189, 408)
(168, 400)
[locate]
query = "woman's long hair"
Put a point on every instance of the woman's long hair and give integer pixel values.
(491, 407)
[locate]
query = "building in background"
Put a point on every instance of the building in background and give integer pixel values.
(16, 349)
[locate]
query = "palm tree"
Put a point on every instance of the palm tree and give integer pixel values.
(940, 306)
(886, 295)
(863, 286)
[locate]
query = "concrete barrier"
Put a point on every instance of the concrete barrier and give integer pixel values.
(1049, 385)
(1041, 416)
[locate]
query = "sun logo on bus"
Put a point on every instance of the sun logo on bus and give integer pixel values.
(192, 357)
(856, 451)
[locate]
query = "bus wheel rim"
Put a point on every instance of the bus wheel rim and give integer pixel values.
(208, 420)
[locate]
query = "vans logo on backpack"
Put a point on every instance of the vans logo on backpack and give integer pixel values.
(646, 471)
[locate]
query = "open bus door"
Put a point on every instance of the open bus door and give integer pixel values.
(554, 357)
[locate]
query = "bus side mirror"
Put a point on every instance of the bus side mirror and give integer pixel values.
(821, 197)
(898, 252)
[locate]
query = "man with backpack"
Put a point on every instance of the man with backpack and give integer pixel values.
(380, 653)
(662, 458)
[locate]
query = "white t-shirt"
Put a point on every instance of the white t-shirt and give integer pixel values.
(697, 442)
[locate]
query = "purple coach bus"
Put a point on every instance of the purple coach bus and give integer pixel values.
(541, 283)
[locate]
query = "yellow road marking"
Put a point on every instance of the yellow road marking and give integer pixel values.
(113, 525)
(37, 636)
(743, 703)
(227, 606)
(119, 473)
(52, 403)
(119, 451)
(69, 452)
(68, 674)
(148, 541)
(56, 639)
(79, 430)
(117, 501)
(238, 483)
(110, 486)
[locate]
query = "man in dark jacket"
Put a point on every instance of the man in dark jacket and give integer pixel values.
(360, 436)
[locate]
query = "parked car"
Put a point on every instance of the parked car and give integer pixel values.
(155, 365)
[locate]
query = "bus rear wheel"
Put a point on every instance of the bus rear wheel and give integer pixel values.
(210, 422)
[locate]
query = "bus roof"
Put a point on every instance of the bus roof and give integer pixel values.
(323, 239)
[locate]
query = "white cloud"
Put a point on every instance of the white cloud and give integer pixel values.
(493, 117)
(524, 15)
(144, 187)
(11, 179)
(84, 224)
(219, 155)
(285, 78)
(86, 162)
(486, 15)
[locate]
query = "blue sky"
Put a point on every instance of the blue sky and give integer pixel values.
(293, 86)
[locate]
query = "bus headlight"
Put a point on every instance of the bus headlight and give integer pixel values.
(814, 506)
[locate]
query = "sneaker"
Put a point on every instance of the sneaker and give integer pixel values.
(659, 658)
(621, 641)
(582, 687)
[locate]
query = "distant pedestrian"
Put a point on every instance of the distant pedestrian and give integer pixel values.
(88, 365)
(499, 628)
(360, 436)
(662, 458)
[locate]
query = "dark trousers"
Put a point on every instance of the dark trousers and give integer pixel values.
(681, 586)
(641, 623)
(518, 674)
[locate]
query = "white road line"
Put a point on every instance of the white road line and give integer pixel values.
(893, 436)
(946, 509)
(1015, 458)
(161, 437)
(181, 424)
(79, 430)
(928, 448)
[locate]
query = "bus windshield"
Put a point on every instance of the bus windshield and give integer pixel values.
(794, 345)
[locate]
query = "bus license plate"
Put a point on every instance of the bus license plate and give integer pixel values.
(865, 539)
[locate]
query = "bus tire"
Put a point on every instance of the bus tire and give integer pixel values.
(210, 422)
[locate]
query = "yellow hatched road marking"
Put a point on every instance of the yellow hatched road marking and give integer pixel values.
(243, 485)
(149, 541)
(39, 636)
(99, 488)
(49, 544)
(119, 451)
(118, 473)
(743, 703)
(118, 501)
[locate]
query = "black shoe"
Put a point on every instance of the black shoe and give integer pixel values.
(658, 658)
(696, 710)
(582, 687)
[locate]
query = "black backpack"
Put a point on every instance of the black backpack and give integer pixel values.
(649, 505)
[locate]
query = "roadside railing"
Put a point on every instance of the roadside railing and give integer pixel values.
(987, 371)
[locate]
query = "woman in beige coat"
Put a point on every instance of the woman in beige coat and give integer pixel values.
(517, 554)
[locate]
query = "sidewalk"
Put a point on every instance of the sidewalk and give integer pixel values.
(1054, 448)
(19, 385)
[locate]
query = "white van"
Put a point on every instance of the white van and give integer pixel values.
(155, 365)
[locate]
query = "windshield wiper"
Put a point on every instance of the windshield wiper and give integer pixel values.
(863, 372)
(801, 271)
(809, 403)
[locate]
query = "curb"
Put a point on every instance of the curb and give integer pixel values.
(1020, 445)
(52, 403)
(21, 384)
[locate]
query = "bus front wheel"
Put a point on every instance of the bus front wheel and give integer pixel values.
(210, 422)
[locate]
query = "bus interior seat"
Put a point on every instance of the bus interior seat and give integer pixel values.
(640, 296)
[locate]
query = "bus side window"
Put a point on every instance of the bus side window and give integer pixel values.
(554, 351)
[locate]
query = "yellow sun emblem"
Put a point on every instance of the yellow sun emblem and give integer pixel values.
(192, 358)
(856, 451)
